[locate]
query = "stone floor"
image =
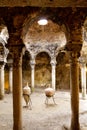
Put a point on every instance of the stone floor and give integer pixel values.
(42, 116)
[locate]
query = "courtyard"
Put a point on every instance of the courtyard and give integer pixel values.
(41, 116)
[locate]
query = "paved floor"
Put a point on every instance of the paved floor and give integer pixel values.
(42, 116)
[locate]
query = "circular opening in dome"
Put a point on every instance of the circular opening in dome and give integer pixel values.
(42, 21)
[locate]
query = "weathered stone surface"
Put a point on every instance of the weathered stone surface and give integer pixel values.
(45, 3)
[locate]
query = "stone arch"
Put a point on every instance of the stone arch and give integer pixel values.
(31, 21)
(38, 39)
(45, 51)
(4, 35)
(52, 42)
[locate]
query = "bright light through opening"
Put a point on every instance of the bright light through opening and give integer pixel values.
(42, 22)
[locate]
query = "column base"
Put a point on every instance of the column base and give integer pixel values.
(67, 128)
(32, 89)
(84, 128)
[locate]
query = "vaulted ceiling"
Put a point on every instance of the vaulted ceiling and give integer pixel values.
(20, 17)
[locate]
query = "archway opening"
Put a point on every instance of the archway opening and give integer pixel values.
(26, 69)
(42, 70)
(63, 71)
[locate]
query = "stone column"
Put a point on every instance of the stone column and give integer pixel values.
(83, 80)
(17, 89)
(74, 85)
(3, 59)
(53, 64)
(10, 78)
(32, 64)
(2, 81)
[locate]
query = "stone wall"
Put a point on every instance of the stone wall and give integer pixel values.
(45, 3)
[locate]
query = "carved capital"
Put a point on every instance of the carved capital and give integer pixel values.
(17, 61)
(32, 63)
(17, 55)
(83, 59)
(83, 65)
(10, 66)
(3, 53)
(6, 51)
(76, 30)
(10, 63)
(53, 62)
(74, 57)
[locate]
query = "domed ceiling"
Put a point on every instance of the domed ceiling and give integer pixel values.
(50, 33)
(38, 38)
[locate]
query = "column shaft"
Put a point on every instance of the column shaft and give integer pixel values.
(53, 77)
(2, 82)
(32, 77)
(53, 64)
(17, 93)
(74, 85)
(83, 80)
(32, 64)
(10, 79)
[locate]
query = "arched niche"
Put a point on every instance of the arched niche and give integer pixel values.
(62, 71)
(26, 69)
(42, 70)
